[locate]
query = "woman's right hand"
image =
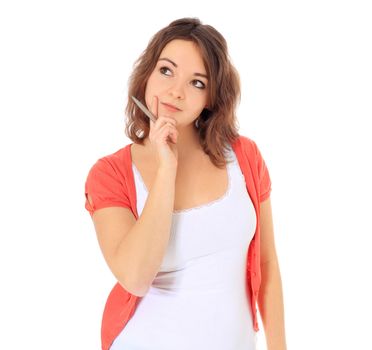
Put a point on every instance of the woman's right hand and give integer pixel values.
(163, 137)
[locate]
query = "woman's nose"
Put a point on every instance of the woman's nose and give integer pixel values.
(177, 91)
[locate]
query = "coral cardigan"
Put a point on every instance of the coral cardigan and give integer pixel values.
(110, 182)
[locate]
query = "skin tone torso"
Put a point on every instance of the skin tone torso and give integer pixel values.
(198, 180)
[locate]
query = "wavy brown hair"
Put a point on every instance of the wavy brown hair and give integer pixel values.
(217, 126)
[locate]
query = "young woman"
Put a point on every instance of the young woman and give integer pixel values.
(183, 214)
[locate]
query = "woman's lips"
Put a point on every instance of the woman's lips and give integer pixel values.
(170, 108)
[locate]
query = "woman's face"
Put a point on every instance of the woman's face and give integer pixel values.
(179, 79)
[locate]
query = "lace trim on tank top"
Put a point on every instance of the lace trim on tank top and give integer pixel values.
(225, 195)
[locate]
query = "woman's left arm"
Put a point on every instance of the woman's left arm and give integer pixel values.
(270, 298)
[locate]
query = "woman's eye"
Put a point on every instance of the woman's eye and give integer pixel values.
(163, 69)
(201, 84)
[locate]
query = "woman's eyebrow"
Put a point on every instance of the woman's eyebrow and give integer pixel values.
(174, 64)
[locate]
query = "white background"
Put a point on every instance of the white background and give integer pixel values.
(306, 79)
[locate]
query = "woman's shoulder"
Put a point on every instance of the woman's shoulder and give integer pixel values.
(245, 144)
(114, 162)
(119, 157)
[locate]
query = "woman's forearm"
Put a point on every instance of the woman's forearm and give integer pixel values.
(271, 306)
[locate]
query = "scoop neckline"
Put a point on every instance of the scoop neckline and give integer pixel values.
(202, 206)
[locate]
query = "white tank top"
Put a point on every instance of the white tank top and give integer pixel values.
(198, 299)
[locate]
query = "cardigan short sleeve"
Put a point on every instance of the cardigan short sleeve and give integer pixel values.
(263, 175)
(104, 188)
